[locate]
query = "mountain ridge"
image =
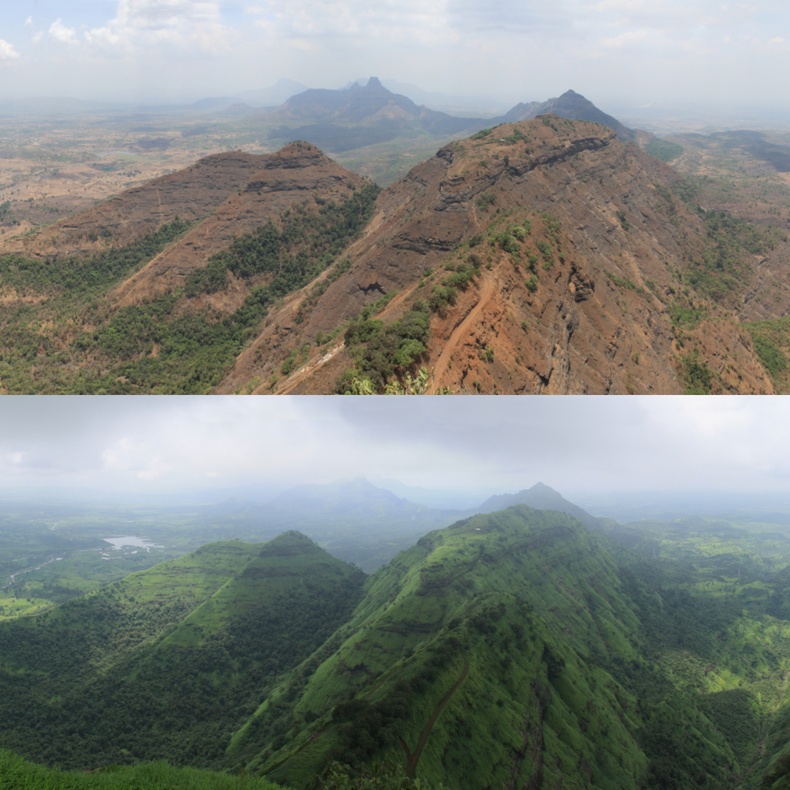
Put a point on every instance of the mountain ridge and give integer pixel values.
(544, 256)
(516, 646)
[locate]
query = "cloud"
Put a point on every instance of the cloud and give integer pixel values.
(7, 51)
(508, 16)
(408, 22)
(183, 24)
(59, 32)
(490, 444)
(300, 20)
(632, 38)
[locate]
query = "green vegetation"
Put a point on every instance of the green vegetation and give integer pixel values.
(482, 134)
(665, 150)
(386, 356)
(307, 243)
(624, 282)
(724, 269)
(183, 650)
(485, 201)
(686, 315)
(86, 277)
(772, 343)
(698, 379)
(460, 623)
(515, 646)
(384, 352)
(622, 218)
(19, 774)
(158, 346)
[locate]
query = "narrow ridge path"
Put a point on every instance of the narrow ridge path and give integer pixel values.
(486, 292)
(413, 758)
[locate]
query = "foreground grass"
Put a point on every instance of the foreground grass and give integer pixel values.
(16, 772)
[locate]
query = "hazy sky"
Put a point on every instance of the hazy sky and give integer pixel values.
(481, 444)
(633, 51)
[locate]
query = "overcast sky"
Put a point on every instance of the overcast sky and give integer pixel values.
(639, 52)
(481, 444)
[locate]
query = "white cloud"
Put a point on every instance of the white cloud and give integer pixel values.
(184, 24)
(499, 444)
(59, 32)
(409, 21)
(7, 51)
(629, 39)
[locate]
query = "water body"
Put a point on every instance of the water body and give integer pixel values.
(132, 541)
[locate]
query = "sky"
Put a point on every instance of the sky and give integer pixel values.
(634, 52)
(163, 445)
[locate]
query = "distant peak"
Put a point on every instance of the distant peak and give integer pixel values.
(374, 82)
(290, 542)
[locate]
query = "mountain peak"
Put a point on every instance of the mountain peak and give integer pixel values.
(540, 497)
(570, 105)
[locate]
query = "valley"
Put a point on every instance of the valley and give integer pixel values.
(549, 250)
(529, 644)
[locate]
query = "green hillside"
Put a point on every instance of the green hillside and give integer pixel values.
(517, 648)
(164, 664)
(521, 649)
(503, 626)
(19, 774)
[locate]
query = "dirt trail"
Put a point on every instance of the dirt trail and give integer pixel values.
(307, 369)
(486, 292)
(302, 373)
(396, 300)
(413, 758)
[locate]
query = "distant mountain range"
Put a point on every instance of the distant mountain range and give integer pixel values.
(358, 521)
(360, 115)
(368, 524)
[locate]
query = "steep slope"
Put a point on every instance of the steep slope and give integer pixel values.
(189, 195)
(488, 655)
(544, 256)
(168, 310)
(541, 257)
(176, 664)
(295, 175)
(516, 648)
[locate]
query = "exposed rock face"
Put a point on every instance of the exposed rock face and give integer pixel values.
(580, 247)
(190, 194)
(598, 319)
(297, 173)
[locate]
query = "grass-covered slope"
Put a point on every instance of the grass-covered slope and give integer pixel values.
(17, 773)
(513, 649)
(163, 680)
(477, 658)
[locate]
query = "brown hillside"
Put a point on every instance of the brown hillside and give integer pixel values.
(190, 194)
(544, 256)
(583, 304)
(297, 173)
